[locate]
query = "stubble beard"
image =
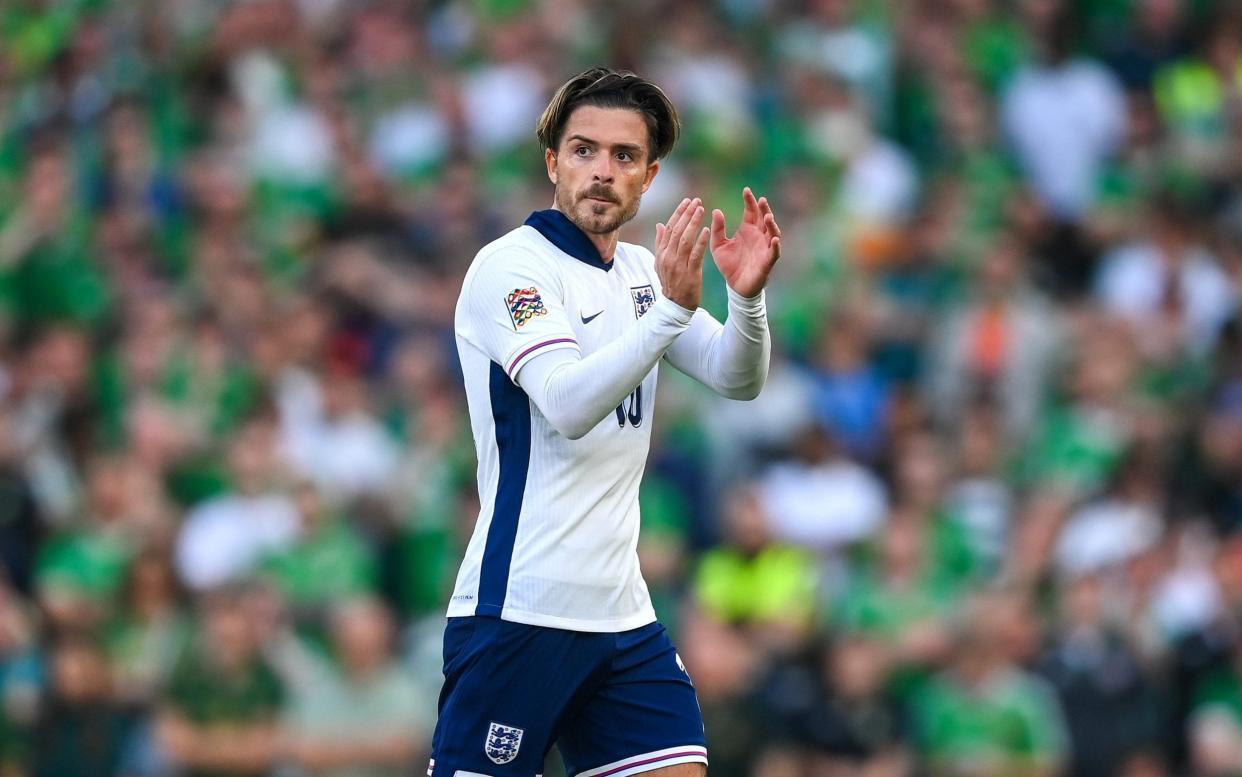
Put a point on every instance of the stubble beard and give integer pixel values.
(584, 215)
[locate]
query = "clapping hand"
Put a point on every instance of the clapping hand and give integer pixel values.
(680, 246)
(746, 259)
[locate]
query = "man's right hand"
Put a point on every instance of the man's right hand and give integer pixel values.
(680, 246)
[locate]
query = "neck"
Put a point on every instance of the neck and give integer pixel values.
(606, 244)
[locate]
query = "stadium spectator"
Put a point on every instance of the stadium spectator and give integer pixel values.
(80, 730)
(1001, 345)
(218, 716)
(364, 715)
(227, 536)
(821, 499)
(1111, 707)
(984, 715)
(149, 630)
(1169, 287)
(328, 562)
(1065, 115)
(753, 581)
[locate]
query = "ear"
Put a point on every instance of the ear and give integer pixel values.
(652, 169)
(549, 159)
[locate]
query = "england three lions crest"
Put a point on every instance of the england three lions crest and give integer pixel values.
(503, 743)
(644, 298)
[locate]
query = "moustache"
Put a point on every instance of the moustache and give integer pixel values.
(601, 193)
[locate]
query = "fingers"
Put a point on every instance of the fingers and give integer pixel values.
(681, 233)
(665, 234)
(699, 249)
(693, 208)
(769, 226)
(772, 229)
(680, 246)
(680, 221)
(691, 234)
(769, 220)
(751, 207)
(718, 235)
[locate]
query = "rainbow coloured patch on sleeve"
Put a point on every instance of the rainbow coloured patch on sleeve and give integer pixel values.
(525, 304)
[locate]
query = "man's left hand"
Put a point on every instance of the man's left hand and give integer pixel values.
(746, 258)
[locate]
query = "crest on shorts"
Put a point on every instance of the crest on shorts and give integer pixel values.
(524, 304)
(644, 298)
(503, 743)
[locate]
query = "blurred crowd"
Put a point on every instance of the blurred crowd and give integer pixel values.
(984, 521)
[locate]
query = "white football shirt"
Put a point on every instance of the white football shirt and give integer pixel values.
(557, 535)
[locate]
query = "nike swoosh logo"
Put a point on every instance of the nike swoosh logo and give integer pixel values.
(588, 319)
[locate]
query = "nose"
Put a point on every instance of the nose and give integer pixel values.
(603, 172)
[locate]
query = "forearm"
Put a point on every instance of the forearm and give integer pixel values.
(576, 393)
(730, 358)
(243, 747)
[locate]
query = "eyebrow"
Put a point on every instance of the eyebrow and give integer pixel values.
(633, 148)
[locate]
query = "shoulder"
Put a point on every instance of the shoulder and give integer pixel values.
(514, 259)
(515, 249)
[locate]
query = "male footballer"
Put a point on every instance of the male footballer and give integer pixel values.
(560, 328)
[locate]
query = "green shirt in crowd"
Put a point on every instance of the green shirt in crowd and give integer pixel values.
(90, 564)
(331, 564)
(1011, 724)
(205, 696)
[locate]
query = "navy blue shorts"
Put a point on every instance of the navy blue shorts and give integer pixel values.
(615, 704)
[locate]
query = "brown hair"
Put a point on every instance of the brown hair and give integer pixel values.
(607, 88)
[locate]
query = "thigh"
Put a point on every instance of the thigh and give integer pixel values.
(643, 716)
(506, 686)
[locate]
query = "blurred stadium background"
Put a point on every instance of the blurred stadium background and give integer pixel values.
(984, 521)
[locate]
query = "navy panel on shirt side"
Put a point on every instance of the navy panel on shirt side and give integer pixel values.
(511, 415)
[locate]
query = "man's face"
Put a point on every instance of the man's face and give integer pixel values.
(601, 167)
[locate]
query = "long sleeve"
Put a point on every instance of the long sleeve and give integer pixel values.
(730, 358)
(575, 393)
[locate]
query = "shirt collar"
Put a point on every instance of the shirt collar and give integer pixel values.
(565, 235)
